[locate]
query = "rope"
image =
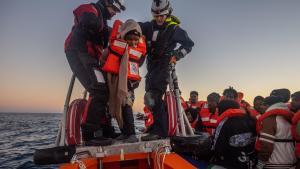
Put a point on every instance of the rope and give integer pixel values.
(79, 162)
(161, 150)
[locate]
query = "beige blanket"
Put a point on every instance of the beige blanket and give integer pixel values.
(117, 84)
(118, 90)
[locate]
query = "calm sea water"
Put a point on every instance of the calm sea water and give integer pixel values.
(22, 133)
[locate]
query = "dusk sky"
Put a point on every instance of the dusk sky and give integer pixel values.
(251, 45)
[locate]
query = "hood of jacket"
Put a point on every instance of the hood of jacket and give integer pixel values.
(128, 26)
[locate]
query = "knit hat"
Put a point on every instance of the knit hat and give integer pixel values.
(270, 100)
(285, 94)
(296, 95)
(227, 104)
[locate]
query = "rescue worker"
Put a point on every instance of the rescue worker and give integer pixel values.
(193, 106)
(163, 34)
(126, 54)
(234, 138)
(295, 105)
(274, 144)
(83, 48)
(208, 114)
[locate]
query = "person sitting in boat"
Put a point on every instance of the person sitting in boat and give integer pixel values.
(83, 48)
(163, 35)
(257, 108)
(275, 145)
(230, 94)
(193, 106)
(122, 61)
(258, 104)
(208, 115)
(234, 138)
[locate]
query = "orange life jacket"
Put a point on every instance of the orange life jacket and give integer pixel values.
(149, 117)
(230, 113)
(117, 49)
(196, 105)
(209, 120)
(296, 137)
(253, 112)
(277, 112)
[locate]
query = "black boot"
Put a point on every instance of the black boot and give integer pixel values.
(109, 132)
(88, 131)
(150, 137)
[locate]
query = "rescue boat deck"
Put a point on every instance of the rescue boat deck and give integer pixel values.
(119, 148)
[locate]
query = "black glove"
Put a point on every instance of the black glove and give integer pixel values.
(133, 84)
(178, 55)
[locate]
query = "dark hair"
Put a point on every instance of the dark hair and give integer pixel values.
(194, 92)
(227, 104)
(296, 95)
(285, 94)
(213, 96)
(270, 100)
(132, 32)
(258, 98)
(232, 91)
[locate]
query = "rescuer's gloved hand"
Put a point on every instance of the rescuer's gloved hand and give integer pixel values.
(178, 54)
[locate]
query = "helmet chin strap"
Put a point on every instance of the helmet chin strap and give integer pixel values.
(102, 4)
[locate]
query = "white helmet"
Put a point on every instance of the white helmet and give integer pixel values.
(120, 4)
(161, 7)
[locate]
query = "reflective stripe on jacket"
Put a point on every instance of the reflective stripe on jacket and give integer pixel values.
(209, 120)
(296, 136)
(116, 51)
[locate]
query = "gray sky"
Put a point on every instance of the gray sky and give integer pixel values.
(250, 45)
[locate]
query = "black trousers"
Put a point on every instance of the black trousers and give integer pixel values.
(156, 83)
(127, 115)
(85, 67)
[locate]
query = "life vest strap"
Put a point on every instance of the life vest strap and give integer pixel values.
(279, 140)
(120, 56)
(284, 140)
(115, 53)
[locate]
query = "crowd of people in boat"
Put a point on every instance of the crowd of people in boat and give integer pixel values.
(106, 61)
(265, 135)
